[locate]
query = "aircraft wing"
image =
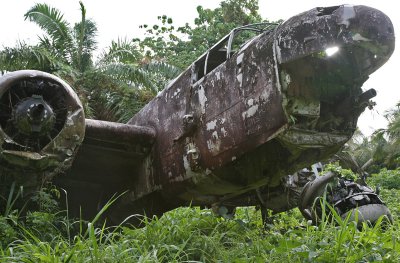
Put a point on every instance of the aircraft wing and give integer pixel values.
(107, 162)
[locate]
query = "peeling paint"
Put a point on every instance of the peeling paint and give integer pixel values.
(202, 99)
(239, 59)
(176, 93)
(250, 102)
(264, 96)
(358, 37)
(239, 78)
(224, 132)
(250, 112)
(214, 143)
(215, 135)
(186, 164)
(286, 80)
(211, 125)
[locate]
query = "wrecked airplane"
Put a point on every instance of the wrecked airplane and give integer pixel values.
(226, 132)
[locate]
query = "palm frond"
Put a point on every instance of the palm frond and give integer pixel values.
(85, 44)
(24, 56)
(89, 37)
(130, 74)
(166, 70)
(393, 129)
(84, 34)
(51, 20)
(123, 105)
(121, 51)
(109, 98)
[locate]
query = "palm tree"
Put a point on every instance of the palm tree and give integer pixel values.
(24, 56)
(380, 150)
(113, 89)
(69, 45)
(138, 77)
(125, 61)
(389, 150)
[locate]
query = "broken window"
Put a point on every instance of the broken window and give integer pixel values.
(226, 47)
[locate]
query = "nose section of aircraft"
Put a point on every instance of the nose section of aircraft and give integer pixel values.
(324, 56)
(369, 24)
(325, 29)
(370, 30)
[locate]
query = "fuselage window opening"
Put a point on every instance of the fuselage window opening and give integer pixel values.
(226, 47)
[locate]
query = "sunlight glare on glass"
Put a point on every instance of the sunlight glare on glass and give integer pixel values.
(331, 50)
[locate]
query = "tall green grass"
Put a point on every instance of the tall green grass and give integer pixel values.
(195, 235)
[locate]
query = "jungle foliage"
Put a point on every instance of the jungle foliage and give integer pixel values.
(181, 45)
(378, 151)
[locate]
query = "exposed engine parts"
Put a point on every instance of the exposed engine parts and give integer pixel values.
(350, 200)
(41, 126)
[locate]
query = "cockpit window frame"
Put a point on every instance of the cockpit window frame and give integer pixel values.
(204, 65)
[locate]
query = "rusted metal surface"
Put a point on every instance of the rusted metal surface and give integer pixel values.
(128, 137)
(272, 108)
(239, 119)
(110, 161)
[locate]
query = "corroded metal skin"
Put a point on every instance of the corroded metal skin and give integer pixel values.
(278, 104)
(238, 120)
(110, 160)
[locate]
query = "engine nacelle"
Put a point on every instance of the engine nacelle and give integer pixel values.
(42, 123)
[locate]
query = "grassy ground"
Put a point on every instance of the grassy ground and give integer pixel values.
(194, 235)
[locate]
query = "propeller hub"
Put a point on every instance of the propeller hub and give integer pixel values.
(33, 116)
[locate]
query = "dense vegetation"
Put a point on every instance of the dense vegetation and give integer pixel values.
(194, 235)
(115, 86)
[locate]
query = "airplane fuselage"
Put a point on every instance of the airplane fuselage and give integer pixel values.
(276, 105)
(225, 132)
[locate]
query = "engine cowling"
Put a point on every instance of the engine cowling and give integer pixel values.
(42, 123)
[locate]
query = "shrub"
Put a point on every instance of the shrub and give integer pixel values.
(388, 179)
(344, 173)
(7, 232)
